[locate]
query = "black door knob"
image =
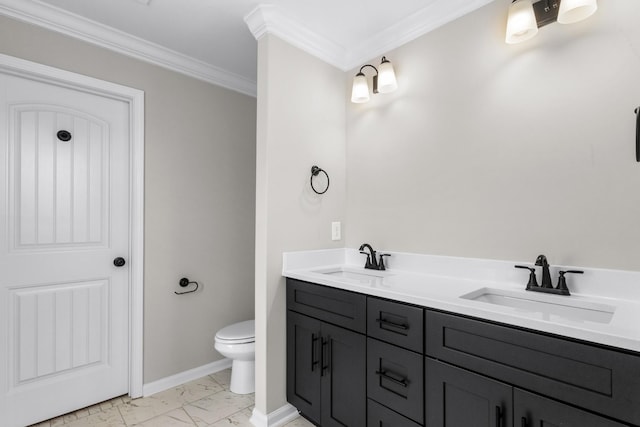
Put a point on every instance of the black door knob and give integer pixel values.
(119, 262)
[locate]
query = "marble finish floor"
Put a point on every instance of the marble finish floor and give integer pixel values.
(206, 402)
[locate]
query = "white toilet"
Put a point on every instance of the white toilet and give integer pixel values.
(238, 343)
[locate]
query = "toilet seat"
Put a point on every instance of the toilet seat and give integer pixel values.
(238, 333)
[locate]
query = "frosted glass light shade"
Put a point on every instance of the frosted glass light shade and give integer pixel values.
(576, 10)
(521, 23)
(360, 90)
(386, 77)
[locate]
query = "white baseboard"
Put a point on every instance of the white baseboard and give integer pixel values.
(184, 377)
(277, 418)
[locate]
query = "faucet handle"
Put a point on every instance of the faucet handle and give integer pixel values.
(533, 282)
(381, 263)
(562, 282)
(367, 263)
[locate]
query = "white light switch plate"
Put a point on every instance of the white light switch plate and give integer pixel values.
(336, 232)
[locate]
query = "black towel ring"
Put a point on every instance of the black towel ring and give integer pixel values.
(184, 282)
(315, 170)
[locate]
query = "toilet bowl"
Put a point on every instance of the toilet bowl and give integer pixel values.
(237, 342)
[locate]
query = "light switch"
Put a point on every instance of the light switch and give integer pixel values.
(336, 232)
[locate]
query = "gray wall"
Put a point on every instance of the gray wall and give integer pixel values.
(199, 195)
(301, 123)
(496, 151)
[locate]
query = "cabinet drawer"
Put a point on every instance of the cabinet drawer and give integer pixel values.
(381, 416)
(589, 376)
(395, 376)
(395, 323)
(342, 308)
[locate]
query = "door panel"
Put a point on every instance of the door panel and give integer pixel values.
(532, 410)
(344, 391)
(395, 377)
(64, 207)
(303, 364)
(58, 328)
(60, 188)
(459, 398)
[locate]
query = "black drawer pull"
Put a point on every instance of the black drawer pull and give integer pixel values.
(323, 367)
(498, 416)
(402, 382)
(524, 422)
(393, 325)
(314, 362)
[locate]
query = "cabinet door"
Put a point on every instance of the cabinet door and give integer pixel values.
(395, 378)
(303, 364)
(459, 398)
(343, 377)
(532, 410)
(381, 416)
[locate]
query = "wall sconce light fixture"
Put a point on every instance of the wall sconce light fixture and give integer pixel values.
(525, 16)
(384, 81)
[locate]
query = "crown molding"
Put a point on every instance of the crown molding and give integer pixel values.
(436, 15)
(61, 21)
(269, 19)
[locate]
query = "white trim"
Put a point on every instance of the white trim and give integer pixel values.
(277, 418)
(135, 99)
(136, 248)
(186, 376)
(70, 24)
(270, 19)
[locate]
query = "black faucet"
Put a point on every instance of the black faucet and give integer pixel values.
(541, 261)
(547, 286)
(372, 262)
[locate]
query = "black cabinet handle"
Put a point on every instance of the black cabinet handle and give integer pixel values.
(401, 382)
(323, 367)
(637, 111)
(524, 422)
(314, 362)
(498, 416)
(392, 324)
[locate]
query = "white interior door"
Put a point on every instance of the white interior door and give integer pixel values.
(64, 218)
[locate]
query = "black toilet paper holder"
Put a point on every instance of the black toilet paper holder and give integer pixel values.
(184, 282)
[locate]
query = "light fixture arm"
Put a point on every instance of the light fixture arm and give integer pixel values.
(375, 77)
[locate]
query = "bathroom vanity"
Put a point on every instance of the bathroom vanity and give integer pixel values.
(404, 348)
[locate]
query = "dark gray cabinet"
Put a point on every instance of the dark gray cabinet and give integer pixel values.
(381, 416)
(303, 364)
(355, 360)
(326, 376)
(531, 410)
(395, 378)
(601, 379)
(458, 398)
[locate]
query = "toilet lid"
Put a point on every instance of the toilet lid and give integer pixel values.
(238, 331)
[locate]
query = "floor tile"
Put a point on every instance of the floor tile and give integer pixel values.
(223, 378)
(217, 406)
(239, 419)
(145, 408)
(206, 402)
(110, 417)
(198, 389)
(175, 418)
(299, 422)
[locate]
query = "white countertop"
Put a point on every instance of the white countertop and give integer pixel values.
(439, 282)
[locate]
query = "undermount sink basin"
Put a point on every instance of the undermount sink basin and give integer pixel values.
(545, 307)
(363, 276)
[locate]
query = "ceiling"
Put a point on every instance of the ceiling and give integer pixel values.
(210, 40)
